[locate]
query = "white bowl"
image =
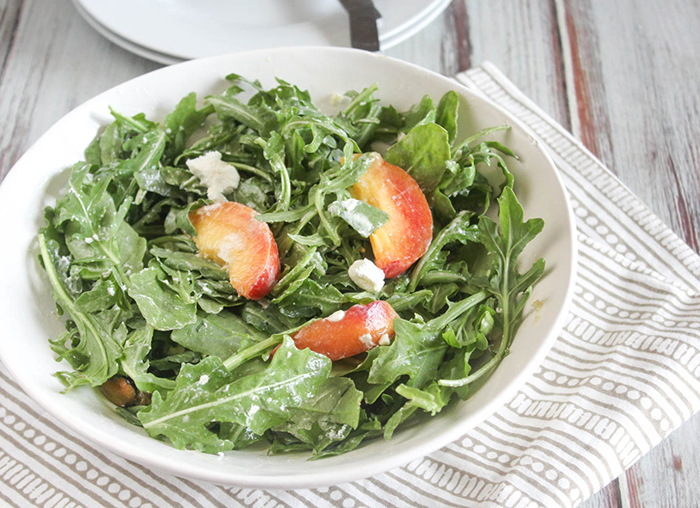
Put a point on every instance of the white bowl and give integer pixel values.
(27, 311)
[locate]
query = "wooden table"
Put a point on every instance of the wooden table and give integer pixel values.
(622, 76)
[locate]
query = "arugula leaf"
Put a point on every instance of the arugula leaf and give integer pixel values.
(459, 230)
(205, 393)
(134, 362)
(216, 334)
(423, 153)
(510, 287)
(96, 342)
(422, 113)
(310, 299)
(416, 352)
(162, 307)
(186, 261)
(433, 398)
(178, 218)
(447, 113)
(182, 122)
(328, 418)
(257, 118)
(110, 144)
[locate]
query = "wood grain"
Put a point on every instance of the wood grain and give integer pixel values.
(638, 100)
(54, 62)
(522, 39)
(9, 21)
(591, 123)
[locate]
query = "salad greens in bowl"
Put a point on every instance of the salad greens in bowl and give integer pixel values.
(326, 255)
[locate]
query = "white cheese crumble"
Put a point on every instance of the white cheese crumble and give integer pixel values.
(366, 339)
(218, 176)
(203, 379)
(384, 340)
(336, 316)
(367, 275)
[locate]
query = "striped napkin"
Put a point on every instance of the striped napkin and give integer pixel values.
(623, 374)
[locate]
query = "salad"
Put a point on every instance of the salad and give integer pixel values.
(261, 272)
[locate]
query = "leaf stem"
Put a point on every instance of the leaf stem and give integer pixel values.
(486, 368)
(458, 309)
(251, 169)
(251, 352)
(50, 268)
(65, 299)
(436, 246)
(365, 95)
(478, 135)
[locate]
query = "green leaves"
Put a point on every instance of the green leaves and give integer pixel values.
(135, 365)
(216, 334)
(97, 341)
(447, 113)
(459, 230)
(416, 352)
(311, 298)
(505, 281)
(140, 301)
(328, 417)
(206, 393)
(183, 121)
(163, 308)
(423, 153)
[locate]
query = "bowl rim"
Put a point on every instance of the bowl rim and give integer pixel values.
(101, 437)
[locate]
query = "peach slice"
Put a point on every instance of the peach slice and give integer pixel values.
(347, 333)
(407, 234)
(229, 234)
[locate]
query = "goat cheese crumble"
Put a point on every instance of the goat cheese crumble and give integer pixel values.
(366, 275)
(217, 175)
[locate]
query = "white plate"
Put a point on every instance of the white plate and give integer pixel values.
(123, 43)
(27, 312)
(185, 29)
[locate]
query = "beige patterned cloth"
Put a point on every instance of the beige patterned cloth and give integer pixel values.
(623, 374)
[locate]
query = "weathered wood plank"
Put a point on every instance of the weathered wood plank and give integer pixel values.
(522, 39)
(55, 62)
(635, 66)
(425, 49)
(9, 21)
(609, 497)
(668, 475)
(586, 84)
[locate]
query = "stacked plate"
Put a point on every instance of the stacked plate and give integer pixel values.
(170, 31)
